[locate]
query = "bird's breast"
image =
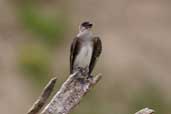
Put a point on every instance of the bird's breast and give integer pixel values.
(83, 58)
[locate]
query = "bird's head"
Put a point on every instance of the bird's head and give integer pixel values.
(86, 25)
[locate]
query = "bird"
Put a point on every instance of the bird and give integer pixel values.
(85, 50)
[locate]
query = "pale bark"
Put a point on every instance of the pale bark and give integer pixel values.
(39, 103)
(145, 111)
(69, 95)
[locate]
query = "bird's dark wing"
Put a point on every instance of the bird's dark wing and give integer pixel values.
(73, 52)
(97, 49)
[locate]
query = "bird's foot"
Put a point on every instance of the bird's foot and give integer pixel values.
(90, 76)
(83, 75)
(83, 71)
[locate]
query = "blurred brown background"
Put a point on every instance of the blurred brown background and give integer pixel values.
(35, 37)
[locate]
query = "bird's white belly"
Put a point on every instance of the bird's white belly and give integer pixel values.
(84, 57)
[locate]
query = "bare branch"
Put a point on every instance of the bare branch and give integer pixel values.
(70, 94)
(39, 103)
(145, 111)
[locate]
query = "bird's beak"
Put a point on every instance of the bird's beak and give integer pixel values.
(90, 25)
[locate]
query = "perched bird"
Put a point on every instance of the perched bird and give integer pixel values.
(85, 49)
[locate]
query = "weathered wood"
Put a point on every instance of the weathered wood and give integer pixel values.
(145, 111)
(39, 103)
(70, 94)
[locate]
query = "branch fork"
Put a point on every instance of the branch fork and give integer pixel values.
(68, 96)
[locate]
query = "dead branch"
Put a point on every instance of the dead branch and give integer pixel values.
(70, 94)
(145, 111)
(39, 103)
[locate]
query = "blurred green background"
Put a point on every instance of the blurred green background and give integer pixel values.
(35, 38)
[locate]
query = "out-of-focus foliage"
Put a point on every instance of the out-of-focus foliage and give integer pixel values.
(50, 29)
(149, 96)
(47, 31)
(35, 62)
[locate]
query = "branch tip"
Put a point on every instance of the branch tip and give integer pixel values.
(39, 103)
(145, 111)
(97, 78)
